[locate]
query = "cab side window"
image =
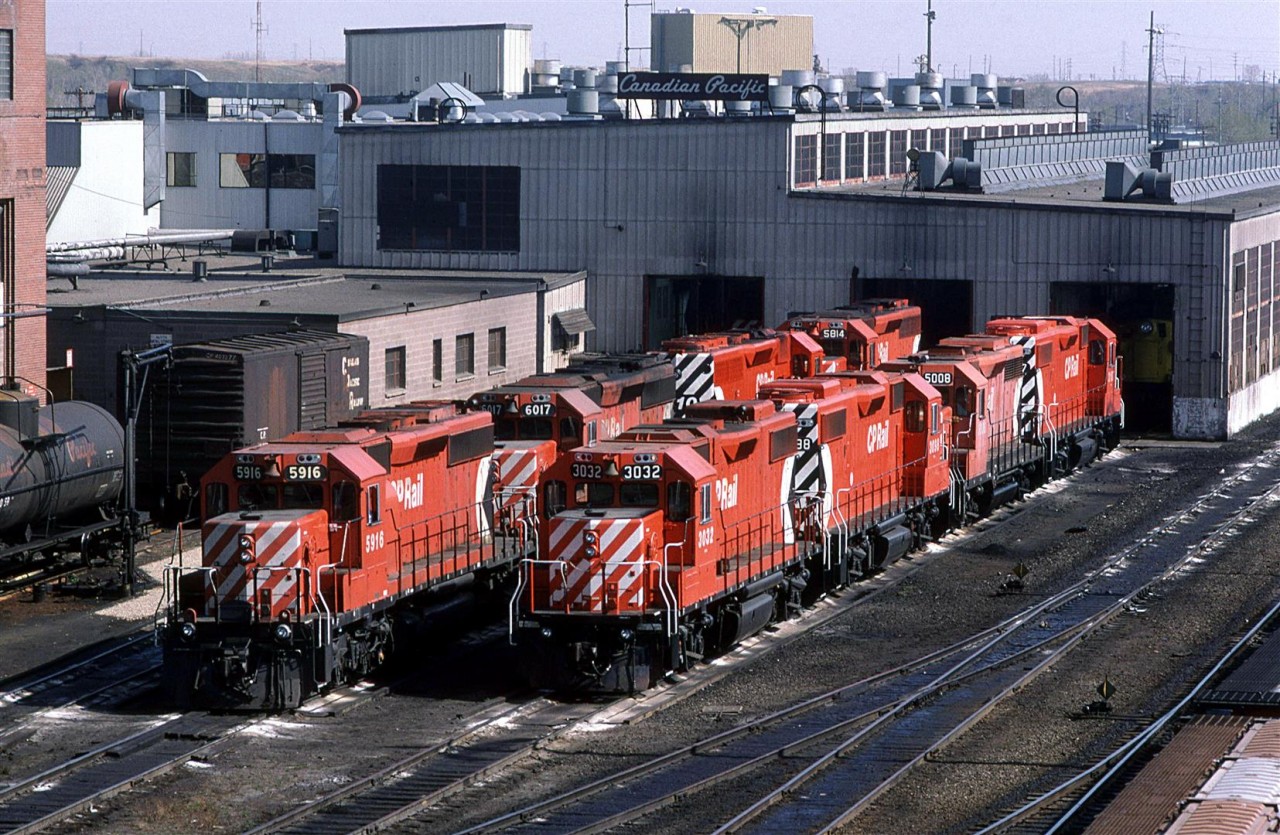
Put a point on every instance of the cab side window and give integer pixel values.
(1097, 352)
(215, 499)
(679, 501)
(914, 416)
(374, 497)
(554, 495)
(345, 506)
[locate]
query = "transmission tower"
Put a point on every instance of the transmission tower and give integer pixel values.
(259, 29)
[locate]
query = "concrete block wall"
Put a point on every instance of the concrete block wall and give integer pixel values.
(518, 314)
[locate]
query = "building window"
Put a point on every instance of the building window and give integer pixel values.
(437, 361)
(897, 152)
(938, 140)
(1039, 129)
(293, 170)
(449, 208)
(806, 159)
(6, 64)
(181, 168)
(259, 170)
(1008, 130)
(991, 131)
(831, 158)
(957, 142)
(875, 154)
(919, 140)
(464, 355)
(854, 148)
(497, 349)
(395, 374)
(1024, 130)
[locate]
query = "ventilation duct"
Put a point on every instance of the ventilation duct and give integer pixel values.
(935, 169)
(1124, 179)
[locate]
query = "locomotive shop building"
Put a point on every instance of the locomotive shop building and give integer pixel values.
(695, 224)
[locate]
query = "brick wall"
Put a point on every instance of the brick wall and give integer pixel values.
(22, 190)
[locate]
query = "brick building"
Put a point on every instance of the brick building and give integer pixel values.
(22, 191)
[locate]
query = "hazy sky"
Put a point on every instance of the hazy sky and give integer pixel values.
(1100, 38)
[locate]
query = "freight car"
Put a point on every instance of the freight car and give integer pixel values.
(646, 570)
(210, 399)
(61, 483)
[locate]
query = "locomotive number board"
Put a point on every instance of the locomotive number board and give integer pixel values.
(305, 472)
(248, 472)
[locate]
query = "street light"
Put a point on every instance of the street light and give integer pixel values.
(822, 131)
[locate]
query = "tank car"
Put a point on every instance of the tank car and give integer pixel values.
(866, 334)
(61, 481)
(319, 549)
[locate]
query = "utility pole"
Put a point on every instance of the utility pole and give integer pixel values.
(928, 44)
(1152, 31)
(741, 26)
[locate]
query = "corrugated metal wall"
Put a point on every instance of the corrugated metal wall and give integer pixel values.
(706, 44)
(628, 200)
(487, 60)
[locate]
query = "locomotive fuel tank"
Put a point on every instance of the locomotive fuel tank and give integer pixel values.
(65, 459)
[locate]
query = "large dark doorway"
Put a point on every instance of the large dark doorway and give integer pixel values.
(946, 306)
(1142, 317)
(681, 305)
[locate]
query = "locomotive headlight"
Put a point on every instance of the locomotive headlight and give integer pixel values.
(1146, 328)
(187, 631)
(283, 632)
(626, 635)
(591, 537)
(546, 631)
(590, 551)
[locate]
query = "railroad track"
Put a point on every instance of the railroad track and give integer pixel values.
(1057, 809)
(75, 785)
(860, 740)
(108, 675)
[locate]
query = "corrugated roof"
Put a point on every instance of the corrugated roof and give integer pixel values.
(1262, 741)
(58, 180)
(1254, 778)
(1222, 817)
(267, 342)
(1155, 795)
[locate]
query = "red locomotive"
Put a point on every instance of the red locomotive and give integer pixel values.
(260, 626)
(632, 582)
(732, 365)
(866, 334)
(675, 540)
(319, 545)
(636, 545)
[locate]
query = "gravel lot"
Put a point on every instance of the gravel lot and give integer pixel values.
(1023, 746)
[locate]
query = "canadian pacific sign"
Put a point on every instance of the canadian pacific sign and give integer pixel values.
(693, 86)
